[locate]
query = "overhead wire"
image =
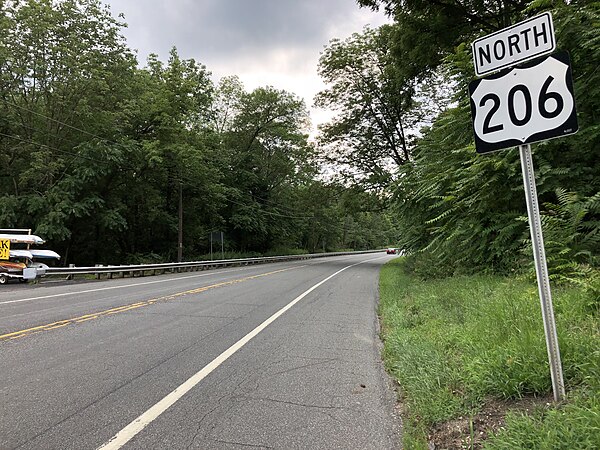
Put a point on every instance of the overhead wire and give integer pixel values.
(182, 179)
(77, 155)
(58, 121)
(46, 133)
(186, 181)
(29, 141)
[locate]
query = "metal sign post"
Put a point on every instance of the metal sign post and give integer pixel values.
(541, 270)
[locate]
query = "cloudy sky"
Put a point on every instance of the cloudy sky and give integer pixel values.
(264, 42)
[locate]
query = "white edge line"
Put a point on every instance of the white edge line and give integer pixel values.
(64, 294)
(127, 433)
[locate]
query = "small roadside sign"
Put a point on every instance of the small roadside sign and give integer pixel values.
(4, 248)
(217, 236)
(529, 103)
(523, 41)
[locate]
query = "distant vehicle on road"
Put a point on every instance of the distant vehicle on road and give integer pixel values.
(392, 251)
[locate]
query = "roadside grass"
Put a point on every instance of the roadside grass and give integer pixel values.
(455, 343)
(576, 425)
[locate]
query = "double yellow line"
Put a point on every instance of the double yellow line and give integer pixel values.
(120, 309)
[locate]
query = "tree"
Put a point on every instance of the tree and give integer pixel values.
(343, 217)
(270, 152)
(379, 110)
(168, 118)
(226, 104)
(428, 31)
(467, 210)
(63, 70)
(109, 161)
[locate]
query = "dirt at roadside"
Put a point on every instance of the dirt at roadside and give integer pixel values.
(470, 432)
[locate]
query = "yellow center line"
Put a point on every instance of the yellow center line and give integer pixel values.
(58, 326)
(87, 318)
(120, 309)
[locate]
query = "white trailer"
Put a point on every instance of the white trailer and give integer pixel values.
(23, 263)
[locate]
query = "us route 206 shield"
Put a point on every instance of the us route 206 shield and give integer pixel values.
(528, 103)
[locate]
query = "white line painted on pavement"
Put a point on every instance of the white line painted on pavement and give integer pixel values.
(127, 433)
(64, 294)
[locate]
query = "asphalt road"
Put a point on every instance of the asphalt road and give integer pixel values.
(281, 355)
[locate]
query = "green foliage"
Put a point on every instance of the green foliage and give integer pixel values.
(467, 212)
(377, 108)
(461, 208)
(454, 343)
(572, 237)
(427, 31)
(270, 154)
(101, 157)
(64, 69)
(374, 107)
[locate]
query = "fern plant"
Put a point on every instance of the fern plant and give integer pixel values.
(573, 225)
(572, 240)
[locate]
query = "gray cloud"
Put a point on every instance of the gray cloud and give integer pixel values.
(209, 29)
(264, 42)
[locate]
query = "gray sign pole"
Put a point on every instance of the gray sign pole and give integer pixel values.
(541, 269)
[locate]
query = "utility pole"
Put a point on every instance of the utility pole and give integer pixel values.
(180, 227)
(222, 247)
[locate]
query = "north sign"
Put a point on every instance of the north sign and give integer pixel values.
(523, 41)
(529, 103)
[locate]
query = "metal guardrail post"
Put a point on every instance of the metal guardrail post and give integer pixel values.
(70, 277)
(162, 268)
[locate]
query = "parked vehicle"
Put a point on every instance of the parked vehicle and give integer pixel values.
(14, 269)
(23, 263)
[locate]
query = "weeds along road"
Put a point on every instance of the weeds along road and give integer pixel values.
(275, 356)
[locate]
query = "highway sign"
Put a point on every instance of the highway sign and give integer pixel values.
(521, 42)
(525, 104)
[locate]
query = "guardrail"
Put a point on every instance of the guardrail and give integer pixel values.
(154, 269)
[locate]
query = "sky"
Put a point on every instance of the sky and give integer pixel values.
(264, 42)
